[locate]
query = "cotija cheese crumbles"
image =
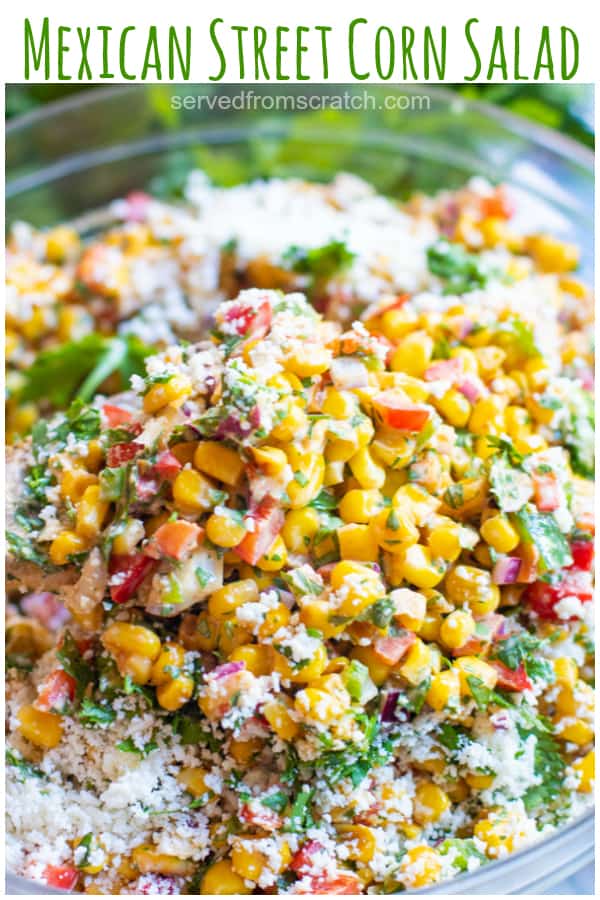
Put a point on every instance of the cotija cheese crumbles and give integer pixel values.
(300, 545)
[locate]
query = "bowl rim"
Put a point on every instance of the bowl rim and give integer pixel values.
(561, 144)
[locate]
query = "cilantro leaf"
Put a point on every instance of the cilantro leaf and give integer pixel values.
(96, 713)
(322, 263)
(26, 769)
(128, 746)
(24, 548)
(462, 272)
(74, 663)
(542, 530)
(276, 801)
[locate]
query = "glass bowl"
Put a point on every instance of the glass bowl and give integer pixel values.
(68, 160)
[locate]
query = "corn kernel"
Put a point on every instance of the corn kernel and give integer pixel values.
(258, 658)
(147, 860)
(169, 661)
(175, 390)
(444, 690)
(470, 667)
(586, 769)
(473, 587)
(220, 878)
(123, 637)
(420, 866)
(457, 628)
(175, 693)
(225, 529)
(219, 461)
(360, 841)
(91, 513)
(247, 863)
(280, 720)
(500, 534)
(357, 542)
(44, 729)
(416, 665)
(413, 354)
(192, 492)
(455, 408)
(66, 545)
(431, 802)
(299, 528)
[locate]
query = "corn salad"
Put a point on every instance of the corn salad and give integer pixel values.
(329, 593)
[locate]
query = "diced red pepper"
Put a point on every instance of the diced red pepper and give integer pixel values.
(250, 320)
(444, 369)
(511, 679)
(267, 819)
(499, 204)
(332, 884)
(492, 623)
(390, 650)
(63, 877)
(583, 555)
(127, 571)
(115, 415)
(146, 486)
(167, 465)
(175, 539)
(546, 491)
(264, 524)
(122, 453)
(542, 596)
(302, 860)
(57, 691)
(400, 414)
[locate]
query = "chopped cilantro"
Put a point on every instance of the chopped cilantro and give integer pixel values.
(542, 530)
(321, 263)
(277, 801)
(461, 271)
(92, 713)
(24, 548)
(74, 663)
(26, 769)
(128, 746)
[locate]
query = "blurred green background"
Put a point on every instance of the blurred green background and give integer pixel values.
(567, 108)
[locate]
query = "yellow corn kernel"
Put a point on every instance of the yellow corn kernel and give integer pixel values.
(552, 255)
(277, 617)
(416, 502)
(396, 323)
(170, 660)
(219, 461)
(419, 568)
(479, 782)
(308, 360)
(378, 670)
(315, 703)
(244, 751)
(230, 596)
(184, 451)
(123, 637)
(147, 859)
(175, 390)
(74, 482)
(417, 663)
(576, 731)
(444, 690)
(420, 866)
(498, 833)
(280, 720)
(174, 694)
(565, 671)
(487, 416)
(489, 360)
(455, 408)
(360, 505)
(306, 673)
(529, 443)
(220, 878)
(394, 530)
(473, 587)
(360, 842)
(246, 862)
(334, 473)
(413, 354)
(193, 780)
(457, 628)
(271, 460)
(580, 697)
(361, 585)
(309, 471)
(444, 540)
(314, 613)
(299, 529)
(586, 769)
(338, 404)
(192, 492)
(367, 472)
(67, 544)
(130, 534)
(431, 802)
(93, 869)
(499, 533)
(410, 608)
(36, 326)
(358, 542)
(73, 322)
(44, 729)
(61, 242)
(538, 373)
(293, 423)
(91, 513)
(258, 658)
(275, 558)
(225, 529)
(471, 667)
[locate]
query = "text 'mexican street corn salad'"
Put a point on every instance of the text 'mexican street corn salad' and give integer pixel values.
(300, 543)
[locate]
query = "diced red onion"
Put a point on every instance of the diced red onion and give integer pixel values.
(500, 720)
(444, 369)
(388, 710)
(227, 669)
(348, 372)
(469, 389)
(231, 427)
(46, 608)
(506, 570)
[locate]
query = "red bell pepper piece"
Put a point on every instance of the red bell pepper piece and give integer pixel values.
(122, 453)
(546, 492)
(57, 690)
(583, 555)
(250, 320)
(302, 860)
(167, 465)
(400, 414)
(332, 884)
(542, 597)
(499, 204)
(264, 524)
(511, 679)
(267, 819)
(127, 571)
(391, 649)
(63, 877)
(115, 415)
